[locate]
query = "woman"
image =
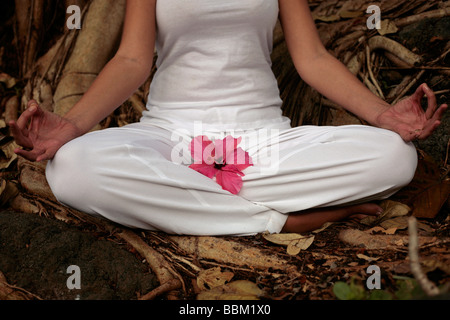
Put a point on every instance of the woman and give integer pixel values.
(214, 73)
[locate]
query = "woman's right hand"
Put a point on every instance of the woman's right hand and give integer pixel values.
(41, 133)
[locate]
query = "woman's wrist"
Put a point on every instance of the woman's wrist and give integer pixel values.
(378, 110)
(80, 120)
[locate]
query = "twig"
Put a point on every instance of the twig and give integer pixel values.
(409, 86)
(413, 67)
(427, 286)
(368, 83)
(399, 88)
(442, 91)
(446, 154)
(371, 75)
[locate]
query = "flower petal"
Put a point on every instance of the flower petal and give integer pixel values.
(239, 158)
(202, 150)
(229, 181)
(236, 169)
(206, 170)
(225, 147)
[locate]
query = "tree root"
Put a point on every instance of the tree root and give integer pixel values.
(231, 252)
(380, 42)
(9, 292)
(440, 13)
(167, 277)
(162, 289)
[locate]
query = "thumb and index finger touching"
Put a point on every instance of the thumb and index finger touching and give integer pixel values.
(20, 128)
(432, 113)
(432, 110)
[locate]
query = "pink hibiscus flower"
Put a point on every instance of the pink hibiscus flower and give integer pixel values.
(221, 160)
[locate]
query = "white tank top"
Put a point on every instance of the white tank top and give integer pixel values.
(214, 64)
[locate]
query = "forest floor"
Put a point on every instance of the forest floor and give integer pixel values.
(37, 251)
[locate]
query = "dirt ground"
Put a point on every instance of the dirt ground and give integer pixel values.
(36, 253)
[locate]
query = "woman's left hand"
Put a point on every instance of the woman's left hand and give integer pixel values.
(408, 118)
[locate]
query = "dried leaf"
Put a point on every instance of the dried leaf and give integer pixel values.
(391, 231)
(7, 155)
(294, 247)
(387, 27)
(391, 209)
(214, 277)
(330, 18)
(326, 225)
(431, 265)
(375, 242)
(7, 80)
(32, 179)
(22, 204)
(383, 230)
(428, 192)
(294, 242)
(364, 257)
(8, 191)
(237, 290)
(397, 223)
(346, 14)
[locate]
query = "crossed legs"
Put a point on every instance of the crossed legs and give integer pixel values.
(322, 174)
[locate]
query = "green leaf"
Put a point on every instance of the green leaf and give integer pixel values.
(352, 291)
(341, 290)
(357, 291)
(407, 289)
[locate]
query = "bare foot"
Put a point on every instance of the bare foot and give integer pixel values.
(310, 220)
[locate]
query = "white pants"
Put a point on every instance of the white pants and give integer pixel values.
(128, 175)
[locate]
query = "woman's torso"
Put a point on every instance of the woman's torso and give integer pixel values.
(214, 64)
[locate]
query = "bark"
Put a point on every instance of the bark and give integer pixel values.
(94, 47)
(29, 27)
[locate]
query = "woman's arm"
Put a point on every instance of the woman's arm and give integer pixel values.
(40, 134)
(330, 77)
(125, 72)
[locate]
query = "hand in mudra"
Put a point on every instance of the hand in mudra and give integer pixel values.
(408, 118)
(41, 133)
